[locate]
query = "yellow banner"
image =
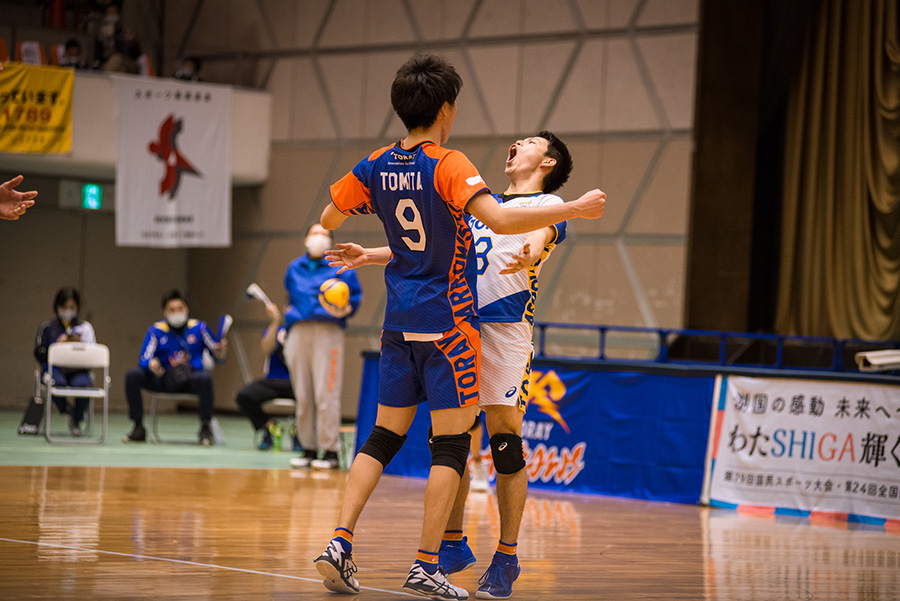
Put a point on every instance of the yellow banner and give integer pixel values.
(35, 108)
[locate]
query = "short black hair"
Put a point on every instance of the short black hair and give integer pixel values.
(173, 294)
(421, 87)
(559, 175)
(73, 43)
(64, 294)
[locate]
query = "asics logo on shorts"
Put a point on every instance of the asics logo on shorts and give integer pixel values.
(511, 392)
(501, 447)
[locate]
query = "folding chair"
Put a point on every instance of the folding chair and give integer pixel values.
(57, 54)
(145, 66)
(156, 397)
(30, 52)
(77, 355)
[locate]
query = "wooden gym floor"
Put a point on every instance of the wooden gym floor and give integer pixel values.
(216, 534)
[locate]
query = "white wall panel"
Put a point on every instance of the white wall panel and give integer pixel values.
(607, 14)
(669, 12)
(671, 62)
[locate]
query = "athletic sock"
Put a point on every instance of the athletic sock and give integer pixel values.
(453, 536)
(428, 561)
(506, 552)
(345, 537)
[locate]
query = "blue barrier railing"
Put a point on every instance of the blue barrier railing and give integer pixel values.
(728, 348)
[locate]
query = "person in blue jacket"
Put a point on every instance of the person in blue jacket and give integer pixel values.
(172, 361)
(314, 349)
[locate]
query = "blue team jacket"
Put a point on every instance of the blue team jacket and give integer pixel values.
(302, 281)
(172, 348)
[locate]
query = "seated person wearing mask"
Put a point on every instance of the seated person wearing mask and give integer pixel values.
(67, 327)
(172, 361)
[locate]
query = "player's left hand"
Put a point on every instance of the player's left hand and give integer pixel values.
(521, 260)
(221, 349)
(347, 256)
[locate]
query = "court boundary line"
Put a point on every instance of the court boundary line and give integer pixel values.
(197, 564)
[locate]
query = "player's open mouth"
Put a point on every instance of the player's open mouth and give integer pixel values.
(512, 153)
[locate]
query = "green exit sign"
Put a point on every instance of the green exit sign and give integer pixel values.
(91, 196)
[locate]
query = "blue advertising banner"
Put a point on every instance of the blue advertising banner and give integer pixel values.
(630, 434)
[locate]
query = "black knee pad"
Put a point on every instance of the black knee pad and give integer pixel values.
(382, 444)
(451, 450)
(507, 453)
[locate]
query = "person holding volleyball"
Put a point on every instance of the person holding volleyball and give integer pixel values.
(320, 303)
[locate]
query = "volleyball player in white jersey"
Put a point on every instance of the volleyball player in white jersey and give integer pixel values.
(507, 270)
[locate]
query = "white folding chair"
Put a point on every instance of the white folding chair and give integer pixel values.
(77, 355)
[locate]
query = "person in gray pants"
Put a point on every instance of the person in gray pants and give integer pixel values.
(320, 303)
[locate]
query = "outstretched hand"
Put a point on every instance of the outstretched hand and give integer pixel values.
(521, 260)
(13, 204)
(346, 256)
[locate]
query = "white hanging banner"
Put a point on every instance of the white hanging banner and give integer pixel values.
(173, 169)
(807, 447)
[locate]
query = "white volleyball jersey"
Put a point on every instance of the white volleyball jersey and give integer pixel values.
(509, 298)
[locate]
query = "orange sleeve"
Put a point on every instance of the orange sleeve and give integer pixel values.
(457, 180)
(350, 196)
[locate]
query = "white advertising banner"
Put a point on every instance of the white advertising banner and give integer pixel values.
(807, 445)
(173, 169)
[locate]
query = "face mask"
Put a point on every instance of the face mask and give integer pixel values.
(317, 244)
(67, 315)
(177, 320)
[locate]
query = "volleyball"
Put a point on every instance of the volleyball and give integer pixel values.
(334, 294)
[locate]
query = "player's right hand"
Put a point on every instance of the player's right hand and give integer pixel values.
(591, 204)
(156, 367)
(346, 256)
(274, 313)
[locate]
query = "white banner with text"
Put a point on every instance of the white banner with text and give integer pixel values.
(811, 446)
(173, 169)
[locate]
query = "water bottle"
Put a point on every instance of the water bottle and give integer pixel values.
(276, 433)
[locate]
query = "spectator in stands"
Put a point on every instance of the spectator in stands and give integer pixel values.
(66, 327)
(73, 57)
(189, 69)
(172, 361)
(275, 385)
(117, 48)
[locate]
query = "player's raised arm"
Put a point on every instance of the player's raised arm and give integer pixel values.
(332, 218)
(521, 220)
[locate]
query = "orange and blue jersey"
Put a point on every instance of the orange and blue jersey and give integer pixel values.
(420, 195)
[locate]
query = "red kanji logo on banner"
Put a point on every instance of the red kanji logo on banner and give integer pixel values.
(166, 149)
